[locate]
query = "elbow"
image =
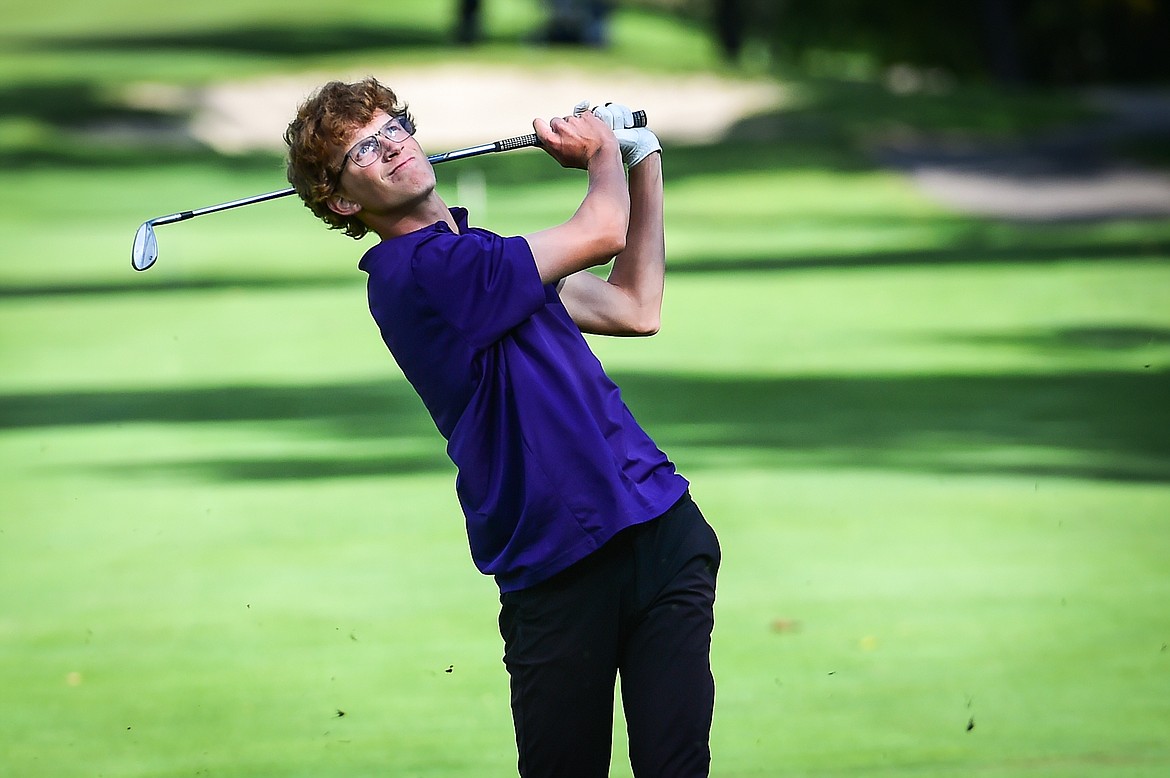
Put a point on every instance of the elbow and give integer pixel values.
(601, 225)
(603, 246)
(650, 327)
(611, 227)
(614, 245)
(612, 236)
(601, 241)
(644, 325)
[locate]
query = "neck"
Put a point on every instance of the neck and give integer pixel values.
(421, 214)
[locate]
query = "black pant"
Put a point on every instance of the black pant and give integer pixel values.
(642, 605)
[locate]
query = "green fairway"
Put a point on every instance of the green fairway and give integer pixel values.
(936, 448)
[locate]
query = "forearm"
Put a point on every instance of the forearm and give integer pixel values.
(629, 300)
(605, 212)
(639, 270)
(597, 229)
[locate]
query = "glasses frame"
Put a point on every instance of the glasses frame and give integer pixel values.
(380, 137)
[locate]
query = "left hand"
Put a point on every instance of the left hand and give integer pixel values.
(636, 144)
(616, 115)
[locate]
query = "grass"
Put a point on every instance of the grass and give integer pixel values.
(934, 447)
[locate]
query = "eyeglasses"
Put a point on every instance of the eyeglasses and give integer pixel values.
(365, 151)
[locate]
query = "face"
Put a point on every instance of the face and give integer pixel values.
(398, 178)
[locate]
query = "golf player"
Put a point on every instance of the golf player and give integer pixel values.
(604, 564)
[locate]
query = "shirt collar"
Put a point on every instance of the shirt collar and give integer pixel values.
(460, 216)
(457, 213)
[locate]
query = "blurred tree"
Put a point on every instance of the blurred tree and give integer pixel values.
(1056, 42)
(578, 22)
(999, 32)
(1094, 40)
(728, 21)
(467, 27)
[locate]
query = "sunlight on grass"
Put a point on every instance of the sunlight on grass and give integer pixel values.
(935, 447)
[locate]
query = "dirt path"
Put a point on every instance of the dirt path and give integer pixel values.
(251, 115)
(1067, 173)
(1064, 174)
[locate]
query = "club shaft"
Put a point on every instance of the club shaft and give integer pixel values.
(507, 144)
(184, 215)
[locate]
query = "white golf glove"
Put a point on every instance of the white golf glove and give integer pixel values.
(616, 115)
(636, 143)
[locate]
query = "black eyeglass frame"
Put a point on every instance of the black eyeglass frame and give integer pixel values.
(402, 122)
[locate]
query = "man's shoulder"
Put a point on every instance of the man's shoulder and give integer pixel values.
(394, 251)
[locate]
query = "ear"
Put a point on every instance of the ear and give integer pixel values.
(340, 205)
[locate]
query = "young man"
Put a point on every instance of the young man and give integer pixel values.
(604, 563)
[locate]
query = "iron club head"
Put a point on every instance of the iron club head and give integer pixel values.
(145, 247)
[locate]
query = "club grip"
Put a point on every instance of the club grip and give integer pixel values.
(519, 142)
(511, 144)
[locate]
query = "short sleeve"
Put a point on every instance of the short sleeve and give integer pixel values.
(483, 284)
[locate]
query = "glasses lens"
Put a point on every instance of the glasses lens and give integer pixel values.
(406, 125)
(396, 130)
(366, 151)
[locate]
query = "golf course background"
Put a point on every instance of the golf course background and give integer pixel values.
(936, 448)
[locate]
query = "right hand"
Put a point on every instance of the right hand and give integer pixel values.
(574, 140)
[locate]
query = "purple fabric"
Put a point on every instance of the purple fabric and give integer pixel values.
(551, 463)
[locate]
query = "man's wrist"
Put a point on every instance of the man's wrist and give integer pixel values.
(607, 153)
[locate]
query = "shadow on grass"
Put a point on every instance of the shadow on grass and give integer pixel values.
(65, 103)
(852, 110)
(1077, 339)
(972, 251)
(260, 40)
(1107, 425)
(301, 468)
(969, 252)
(138, 286)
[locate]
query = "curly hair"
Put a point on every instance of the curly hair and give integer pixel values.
(316, 135)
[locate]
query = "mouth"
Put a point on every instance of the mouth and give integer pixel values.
(401, 165)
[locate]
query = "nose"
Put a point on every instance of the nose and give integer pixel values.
(390, 147)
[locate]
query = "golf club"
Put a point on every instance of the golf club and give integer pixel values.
(145, 251)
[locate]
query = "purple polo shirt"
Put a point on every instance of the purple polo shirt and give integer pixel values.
(551, 463)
